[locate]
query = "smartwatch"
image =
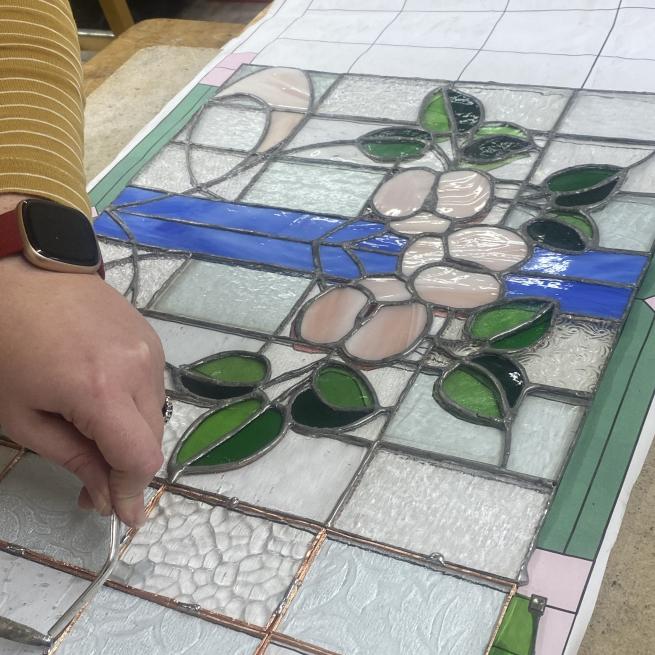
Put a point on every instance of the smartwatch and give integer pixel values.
(50, 236)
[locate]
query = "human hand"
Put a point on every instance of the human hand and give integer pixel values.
(82, 383)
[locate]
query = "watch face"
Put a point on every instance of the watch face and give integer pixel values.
(60, 233)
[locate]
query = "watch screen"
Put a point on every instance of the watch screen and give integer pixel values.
(60, 233)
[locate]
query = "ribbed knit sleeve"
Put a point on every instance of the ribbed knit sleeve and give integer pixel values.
(41, 103)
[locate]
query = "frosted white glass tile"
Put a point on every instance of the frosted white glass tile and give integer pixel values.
(284, 359)
(447, 29)
(517, 169)
(231, 187)
(641, 178)
(567, 32)
(562, 153)
(321, 82)
(322, 130)
(542, 434)
(472, 521)
(120, 276)
(153, 273)
(120, 624)
(232, 295)
(377, 98)
(349, 26)
(628, 223)
(223, 126)
(571, 356)
(314, 188)
(34, 595)
(518, 216)
(184, 344)
(422, 423)
(349, 154)
(605, 114)
(388, 383)
(6, 455)
(38, 510)
(302, 475)
(357, 602)
(111, 250)
(223, 561)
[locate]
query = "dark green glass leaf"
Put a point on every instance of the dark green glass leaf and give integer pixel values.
(555, 234)
(216, 425)
(469, 389)
(207, 388)
(516, 635)
(495, 148)
(343, 388)
(254, 437)
(309, 410)
(506, 372)
(435, 116)
(394, 143)
(575, 220)
(580, 177)
(527, 336)
(586, 198)
(234, 368)
(466, 110)
(497, 129)
(508, 318)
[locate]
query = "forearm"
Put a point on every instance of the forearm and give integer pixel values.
(41, 104)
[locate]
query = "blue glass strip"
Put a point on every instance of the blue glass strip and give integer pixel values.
(375, 263)
(221, 243)
(574, 297)
(262, 220)
(621, 268)
(336, 262)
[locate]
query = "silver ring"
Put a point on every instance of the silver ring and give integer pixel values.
(167, 409)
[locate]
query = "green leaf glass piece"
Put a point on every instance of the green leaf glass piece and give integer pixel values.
(586, 198)
(207, 388)
(466, 110)
(580, 177)
(468, 389)
(216, 425)
(343, 388)
(309, 410)
(528, 336)
(500, 129)
(435, 116)
(251, 439)
(495, 148)
(394, 143)
(505, 318)
(575, 220)
(231, 368)
(506, 372)
(556, 235)
(516, 635)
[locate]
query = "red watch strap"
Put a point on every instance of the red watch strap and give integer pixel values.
(11, 242)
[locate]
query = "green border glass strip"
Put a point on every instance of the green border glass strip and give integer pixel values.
(592, 481)
(120, 175)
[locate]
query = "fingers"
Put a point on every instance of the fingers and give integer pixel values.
(59, 441)
(132, 450)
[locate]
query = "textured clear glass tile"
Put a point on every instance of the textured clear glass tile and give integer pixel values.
(628, 223)
(34, 595)
(479, 523)
(284, 359)
(594, 113)
(223, 561)
(572, 356)
(542, 435)
(321, 82)
(231, 187)
(516, 169)
(422, 423)
(302, 475)
(348, 154)
(120, 277)
(562, 153)
(232, 295)
(236, 128)
(314, 188)
(119, 624)
(357, 602)
(377, 97)
(534, 109)
(517, 216)
(323, 130)
(111, 250)
(38, 510)
(184, 344)
(641, 178)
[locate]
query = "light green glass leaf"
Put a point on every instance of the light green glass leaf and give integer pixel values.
(516, 635)
(234, 368)
(435, 116)
(499, 129)
(342, 388)
(466, 111)
(395, 143)
(472, 391)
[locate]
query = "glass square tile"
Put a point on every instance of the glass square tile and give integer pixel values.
(628, 223)
(119, 624)
(426, 508)
(224, 561)
(349, 604)
(314, 188)
(232, 295)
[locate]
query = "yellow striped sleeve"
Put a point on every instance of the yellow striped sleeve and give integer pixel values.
(41, 103)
